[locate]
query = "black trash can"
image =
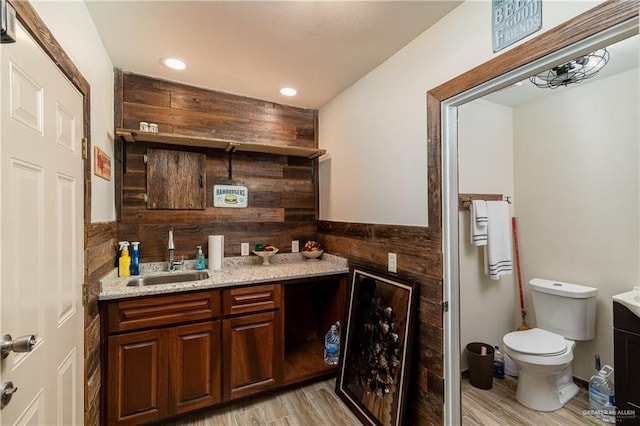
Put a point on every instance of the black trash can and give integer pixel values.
(480, 366)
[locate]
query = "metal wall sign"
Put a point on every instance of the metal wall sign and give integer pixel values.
(232, 196)
(513, 20)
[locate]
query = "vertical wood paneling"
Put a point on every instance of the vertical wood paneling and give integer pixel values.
(282, 190)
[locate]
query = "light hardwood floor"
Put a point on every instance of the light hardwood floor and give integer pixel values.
(498, 406)
(317, 404)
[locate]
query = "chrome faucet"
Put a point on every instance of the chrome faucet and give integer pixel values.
(171, 265)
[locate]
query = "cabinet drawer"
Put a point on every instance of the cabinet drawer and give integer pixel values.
(246, 300)
(160, 311)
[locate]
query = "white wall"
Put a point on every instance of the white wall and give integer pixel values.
(576, 182)
(489, 309)
(375, 131)
(72, 26)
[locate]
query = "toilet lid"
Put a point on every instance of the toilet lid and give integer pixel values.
(536, 342)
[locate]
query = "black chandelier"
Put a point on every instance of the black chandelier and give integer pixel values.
(574, 71)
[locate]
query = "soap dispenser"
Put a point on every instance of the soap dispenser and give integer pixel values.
(135, 258)
(200, 265)
(124, 264)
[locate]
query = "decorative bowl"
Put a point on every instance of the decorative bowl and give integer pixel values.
(312, 256)
(265, 255)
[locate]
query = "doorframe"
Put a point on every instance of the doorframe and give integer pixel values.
(26, 14)
(532, 56)
(37, 29)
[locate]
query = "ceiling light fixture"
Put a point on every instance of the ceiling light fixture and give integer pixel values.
(573, 71)
(173, 63)
(288, 91)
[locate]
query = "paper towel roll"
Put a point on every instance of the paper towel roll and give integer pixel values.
(216, 252)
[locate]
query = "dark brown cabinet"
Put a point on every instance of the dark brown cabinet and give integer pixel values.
(194, 357)
(249, 354)
(137, 381)
(168, 369)
(310, 307)
(172, 354)
(626, 348)
(251, 340)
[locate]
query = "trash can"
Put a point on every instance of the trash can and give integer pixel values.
(480, 366)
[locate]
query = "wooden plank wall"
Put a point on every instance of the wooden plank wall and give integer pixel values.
(419, 260)
(100, 244)
(283, 194)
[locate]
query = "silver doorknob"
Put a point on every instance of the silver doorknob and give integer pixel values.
(21, 344)
(6, 393)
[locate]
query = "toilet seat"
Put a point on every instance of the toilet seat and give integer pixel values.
(536, 342)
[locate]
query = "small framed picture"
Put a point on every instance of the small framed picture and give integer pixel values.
(101, 163)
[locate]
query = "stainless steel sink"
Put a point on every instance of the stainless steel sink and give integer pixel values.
(167, 279)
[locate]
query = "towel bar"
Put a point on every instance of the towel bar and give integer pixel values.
(464, 200)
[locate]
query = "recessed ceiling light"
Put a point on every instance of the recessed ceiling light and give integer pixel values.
(173, 63)
(288, 91)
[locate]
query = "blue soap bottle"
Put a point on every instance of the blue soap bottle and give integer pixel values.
(200, 265)
(135, 258)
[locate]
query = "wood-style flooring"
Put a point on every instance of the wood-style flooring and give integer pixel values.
(498, 406)
(317, 404)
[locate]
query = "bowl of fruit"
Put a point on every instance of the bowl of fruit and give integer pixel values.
(312, 250)
(265, 252)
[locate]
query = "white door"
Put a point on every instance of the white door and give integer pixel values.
(41, 233)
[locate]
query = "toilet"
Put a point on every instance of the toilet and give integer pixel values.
(565, 314)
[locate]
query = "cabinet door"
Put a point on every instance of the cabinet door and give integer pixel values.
(176, 179)
(627, 372)
(251, 351)
(137, 377)
(195, 366)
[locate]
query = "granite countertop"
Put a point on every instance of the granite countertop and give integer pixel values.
(239, 270)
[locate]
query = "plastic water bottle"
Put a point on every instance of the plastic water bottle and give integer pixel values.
(332, 344)
(601, 396)
(498, 364)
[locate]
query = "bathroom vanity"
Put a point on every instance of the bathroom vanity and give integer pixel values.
(626, 347)
(173, 348)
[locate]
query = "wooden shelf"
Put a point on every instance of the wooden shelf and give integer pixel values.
(132, 136)
(304, 361)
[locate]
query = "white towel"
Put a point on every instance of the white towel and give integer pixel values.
(478, 210)
(498, 251)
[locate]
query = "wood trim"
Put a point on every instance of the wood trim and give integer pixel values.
(118, 144)
(26, 14)
(597, 19)
(601, 17)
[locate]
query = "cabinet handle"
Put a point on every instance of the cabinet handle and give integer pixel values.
(201, 180)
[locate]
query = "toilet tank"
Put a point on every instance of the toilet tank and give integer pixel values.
(564, 308)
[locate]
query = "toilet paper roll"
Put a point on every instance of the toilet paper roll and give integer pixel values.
(216, 252)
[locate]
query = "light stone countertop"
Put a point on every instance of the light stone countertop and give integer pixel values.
(239, 270)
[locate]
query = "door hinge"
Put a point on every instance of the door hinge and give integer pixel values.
(85, 294)
(445, 306)
(85, 148)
